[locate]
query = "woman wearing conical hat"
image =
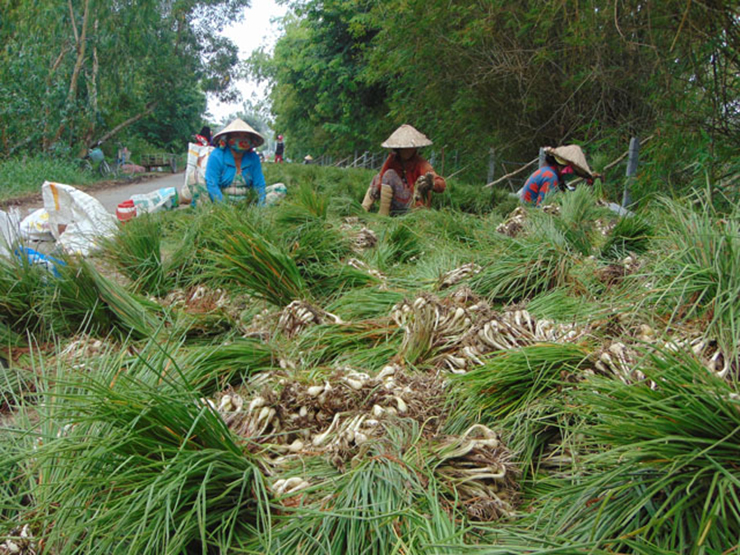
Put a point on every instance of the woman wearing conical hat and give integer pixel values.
(559, 162)
(406, 179)
(233, 166)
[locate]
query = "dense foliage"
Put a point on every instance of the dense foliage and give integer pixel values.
(515, 76)
(80, 72)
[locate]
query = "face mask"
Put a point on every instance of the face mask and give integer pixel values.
(240, 145)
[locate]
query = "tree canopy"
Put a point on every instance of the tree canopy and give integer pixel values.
(76, 73)
(505, 73)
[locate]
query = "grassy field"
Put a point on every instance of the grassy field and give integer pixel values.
(310, 378)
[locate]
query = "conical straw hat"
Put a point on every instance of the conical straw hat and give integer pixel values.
(239, 126)
(571, 154)
(406, 137)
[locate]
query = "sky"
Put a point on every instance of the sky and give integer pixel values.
(253, 31)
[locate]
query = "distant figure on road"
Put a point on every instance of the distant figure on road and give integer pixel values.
(234, 166)
(279, 149)
(406, 179)
(203, 138)
(559, 162)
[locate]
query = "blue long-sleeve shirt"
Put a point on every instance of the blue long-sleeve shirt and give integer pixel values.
(221, 171)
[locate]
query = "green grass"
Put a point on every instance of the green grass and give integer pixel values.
(21, 176)
(697, 273)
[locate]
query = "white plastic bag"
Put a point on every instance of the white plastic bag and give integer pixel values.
(9, 230)
(77, 220)
(195, 173)
(161, 199)
(275, 193)
(36, 226)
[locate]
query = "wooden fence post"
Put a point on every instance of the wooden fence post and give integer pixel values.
(491, 164)
(542, 158)
(632, 161)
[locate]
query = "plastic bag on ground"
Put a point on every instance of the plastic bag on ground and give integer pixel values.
(275, 193)
(36, 226)
(44, 260)
(9, 230)
(77, 221)
(161, 199)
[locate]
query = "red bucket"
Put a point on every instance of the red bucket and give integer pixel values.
(126, 211)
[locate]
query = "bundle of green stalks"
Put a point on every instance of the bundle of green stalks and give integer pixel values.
(365, 303)
(125, 465)
(398, 244)
(211, 368)
(573, 228)
(391, 502)
(23, 288)
(665, 477)
(562, 305)
(524, 269)
(631, 234)
(79, 298)
(246, 258)
(513, 379)
(366, 343)
(698, 274)
(136, 251)
(304, 206)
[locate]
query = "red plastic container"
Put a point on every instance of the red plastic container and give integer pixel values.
(126, 211)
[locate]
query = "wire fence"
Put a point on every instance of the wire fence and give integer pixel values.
(479, 166)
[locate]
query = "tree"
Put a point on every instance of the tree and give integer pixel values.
(318, 92)
(82, 71)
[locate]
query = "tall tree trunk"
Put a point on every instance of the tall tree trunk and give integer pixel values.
(92, 92)
(80, 47)
(81, 41)
(47, 108)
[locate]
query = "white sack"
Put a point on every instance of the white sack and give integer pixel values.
(36, 226)
(9, 230)
(161, 199)
(195, 173)
(77, 220)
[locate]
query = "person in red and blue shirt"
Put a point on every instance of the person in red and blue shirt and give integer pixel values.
(545, 180)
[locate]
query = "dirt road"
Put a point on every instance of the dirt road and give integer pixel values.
(108, 194)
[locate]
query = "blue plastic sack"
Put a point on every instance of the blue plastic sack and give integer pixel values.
(44, 260)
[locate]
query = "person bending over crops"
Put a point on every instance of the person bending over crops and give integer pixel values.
(406, 179)
(233, 166)
(559, 162)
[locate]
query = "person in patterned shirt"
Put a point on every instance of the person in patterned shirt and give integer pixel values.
(406, 179)
(559, 162)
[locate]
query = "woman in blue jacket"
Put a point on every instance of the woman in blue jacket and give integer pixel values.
(233, 166)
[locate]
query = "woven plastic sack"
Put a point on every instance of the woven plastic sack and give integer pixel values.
(77, 221)
(275, 193)
(161, 199)
(36, 226)
(9, 230)
(195, 174)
